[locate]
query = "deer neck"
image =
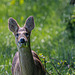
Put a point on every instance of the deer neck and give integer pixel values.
(26, 61)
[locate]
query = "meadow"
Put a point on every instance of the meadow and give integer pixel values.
(49, 39)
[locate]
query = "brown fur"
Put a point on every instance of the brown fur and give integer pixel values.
(16, 63)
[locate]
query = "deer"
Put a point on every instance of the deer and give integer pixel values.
(25, 61)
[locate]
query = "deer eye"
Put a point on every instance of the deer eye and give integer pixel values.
(17, 35)
(26, 34)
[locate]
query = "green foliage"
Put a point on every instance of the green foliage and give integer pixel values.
(49, 37)
(71, 26)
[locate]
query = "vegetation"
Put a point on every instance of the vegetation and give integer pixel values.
(49, 39)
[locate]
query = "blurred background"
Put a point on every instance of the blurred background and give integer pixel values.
(53, 37)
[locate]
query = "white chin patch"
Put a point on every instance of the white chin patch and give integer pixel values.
(22, 45)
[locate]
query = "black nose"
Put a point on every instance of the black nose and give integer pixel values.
(22, 40)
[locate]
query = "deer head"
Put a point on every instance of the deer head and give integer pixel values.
(22, 34)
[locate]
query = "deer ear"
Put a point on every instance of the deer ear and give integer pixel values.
(13, 26)
(29, 23)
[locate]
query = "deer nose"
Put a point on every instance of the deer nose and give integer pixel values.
(22, 40)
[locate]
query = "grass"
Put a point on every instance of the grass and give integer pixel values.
(49, 37)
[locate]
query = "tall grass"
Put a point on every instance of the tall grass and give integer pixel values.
(49, 37)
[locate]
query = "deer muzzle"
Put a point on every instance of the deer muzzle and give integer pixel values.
(22, 42)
